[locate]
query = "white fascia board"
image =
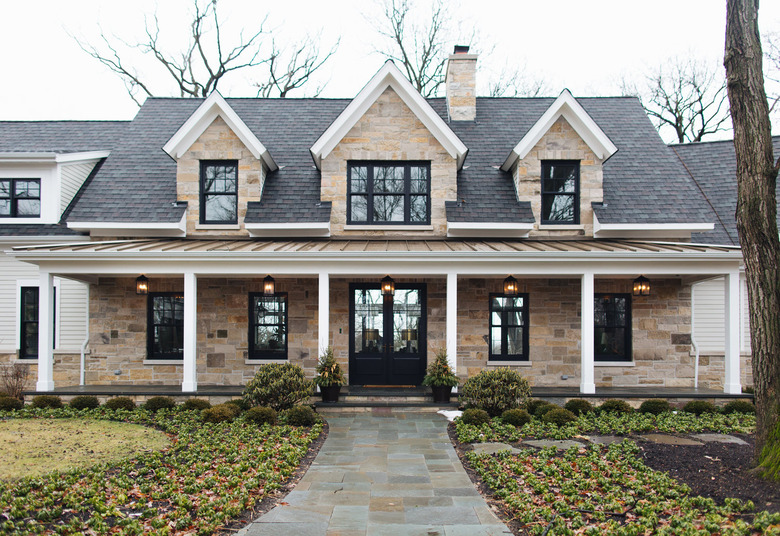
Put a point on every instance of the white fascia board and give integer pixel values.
(81, 157)
(215, 106)
(568, 107)
(28, 158)
(271, 230)
(493, 230)
(388, 76)
(648, 230)
(116, 228)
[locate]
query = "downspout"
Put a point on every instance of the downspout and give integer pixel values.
(84, 344)
(693, 340)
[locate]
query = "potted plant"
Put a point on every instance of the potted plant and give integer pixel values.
(440, 377)
(329, 377)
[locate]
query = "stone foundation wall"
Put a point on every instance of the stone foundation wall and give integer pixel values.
(660, 328)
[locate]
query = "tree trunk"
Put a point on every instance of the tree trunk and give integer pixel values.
(756, 219)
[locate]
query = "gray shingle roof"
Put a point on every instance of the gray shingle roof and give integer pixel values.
(59, 136)
(138, 181)
(713, 165)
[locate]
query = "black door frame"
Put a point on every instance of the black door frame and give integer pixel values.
(387, 320)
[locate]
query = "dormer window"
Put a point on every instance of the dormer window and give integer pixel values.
(20, 198)
(389, 193)
(219, 191)
(560, 192)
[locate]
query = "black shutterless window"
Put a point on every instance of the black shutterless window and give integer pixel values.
(560, 192)
(29, 323)
(508, 327)
(165, 326)
(20, 198)
(612, 327)
(219, 191)
(267, 326)
(389, 193)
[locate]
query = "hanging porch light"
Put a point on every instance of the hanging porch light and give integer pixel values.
(142, 285)
(269, 286)
(387, 286)
(511, 287)
(641, 286)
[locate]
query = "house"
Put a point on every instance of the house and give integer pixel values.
(558, 236)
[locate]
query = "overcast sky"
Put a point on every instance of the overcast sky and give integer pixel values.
(586, 46)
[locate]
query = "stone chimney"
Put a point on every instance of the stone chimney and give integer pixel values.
(461, 85)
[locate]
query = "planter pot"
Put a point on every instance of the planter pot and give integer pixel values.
(441, 393)
(330, 393)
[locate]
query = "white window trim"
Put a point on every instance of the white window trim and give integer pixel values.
(50, 191)
(18, 317)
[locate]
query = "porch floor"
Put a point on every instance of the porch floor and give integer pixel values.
(411, 392)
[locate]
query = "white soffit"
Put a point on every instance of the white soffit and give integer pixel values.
(215, 106)
(273, 230)
(496, 230)
(571, 110)
(388, 76)
(648, 230)
(117, 228)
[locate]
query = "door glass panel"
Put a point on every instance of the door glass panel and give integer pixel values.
(369, 321)
(406, 321)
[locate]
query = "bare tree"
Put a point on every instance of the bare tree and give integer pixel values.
(756, 219)
(685, 96)
(512, 82)
(207, 59)
(13, 379)
(772, 71)
(289, 70)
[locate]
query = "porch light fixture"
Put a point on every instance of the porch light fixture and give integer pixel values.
(142, 285)
(511, 288)
(388, 286)
(269, 286)
(641, 286)
(409, 335)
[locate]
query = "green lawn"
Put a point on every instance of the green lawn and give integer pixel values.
(208, 475)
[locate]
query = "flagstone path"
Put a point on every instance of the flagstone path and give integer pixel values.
(381, 473)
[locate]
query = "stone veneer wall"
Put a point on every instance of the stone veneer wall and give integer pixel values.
(661, 332)
(561, 142)
(218, 142)
(388, 131)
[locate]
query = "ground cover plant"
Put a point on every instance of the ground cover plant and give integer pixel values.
(607, 423)
(210, 474)
(606, 491)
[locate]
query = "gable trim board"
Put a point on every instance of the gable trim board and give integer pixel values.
(216, 106)
(565, 106)
(388, 76)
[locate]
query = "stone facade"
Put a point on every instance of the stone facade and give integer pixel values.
(561, 142)
(389, 130)
(218, 142)
(461, 84)
(660, 332)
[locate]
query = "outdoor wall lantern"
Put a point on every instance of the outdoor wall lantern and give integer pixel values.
(641, 286)
(269, 286)
(142, 285)
(511, 288)
(388, 286)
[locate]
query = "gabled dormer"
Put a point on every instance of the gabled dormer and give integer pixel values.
(557, 166)
(389, 161)
(221, 166)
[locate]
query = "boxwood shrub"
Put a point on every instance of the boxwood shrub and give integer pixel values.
(578, 406)
(655, 406)
(156, 403)
(84, 402)
(220, 413)
(516, 417)
(261, 415)
(279, 386)
(8, 403)
(495, 391)
(559, 416)
(542, 409)
(697, 407)
(198, 404)
(46, 401)
(614, 405)
(120, 402)
(301, 416)
(739, 406)
(475, 416)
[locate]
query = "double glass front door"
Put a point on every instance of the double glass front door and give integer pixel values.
(387, 342)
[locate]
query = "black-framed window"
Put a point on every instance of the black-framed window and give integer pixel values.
(267, 326)
(560, 191)
(612, 327)
(389, 193)
(165, 325)
(508, 327)
(219, 191)
(29, 322)
(20, 198)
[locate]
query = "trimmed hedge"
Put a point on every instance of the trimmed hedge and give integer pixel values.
(475, 416)
(193, 404)
(46, 401)
(220, 413)
(261, 415)
(8, 403)
(156, 403)
(516, 417)
(655, 406)
(559, 416)
(739, 406)
(697, 407)
(578, 406)
(301, 416)
(84, 402)
(120, 402)
(614, 405)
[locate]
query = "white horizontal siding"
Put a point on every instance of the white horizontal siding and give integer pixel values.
(73, 176)
(71, 305)
(709, 316)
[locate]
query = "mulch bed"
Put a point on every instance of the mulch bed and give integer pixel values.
(275, 497)
(714, 470)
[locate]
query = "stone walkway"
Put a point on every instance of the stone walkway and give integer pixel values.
(377, 474)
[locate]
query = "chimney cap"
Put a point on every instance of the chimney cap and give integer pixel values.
(461, 49)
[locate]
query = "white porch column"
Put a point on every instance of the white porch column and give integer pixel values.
(452, 321)
(731, 383)
(189, 382)
(587, 374)
(323, 312)
(45, 333)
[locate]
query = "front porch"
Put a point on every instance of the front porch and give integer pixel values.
(213, 281)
